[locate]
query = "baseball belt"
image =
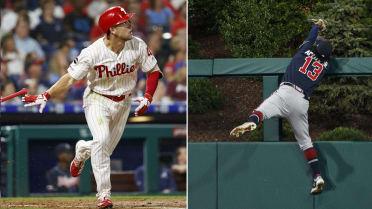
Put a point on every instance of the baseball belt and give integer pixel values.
(296, 88)
(115, 98)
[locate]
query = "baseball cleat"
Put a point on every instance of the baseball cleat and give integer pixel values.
(77, 166)
(317, 185)
(106, 203)
(240, 130)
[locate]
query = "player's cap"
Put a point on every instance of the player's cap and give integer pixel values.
(324, 48)
(63, 147)
(113, 16)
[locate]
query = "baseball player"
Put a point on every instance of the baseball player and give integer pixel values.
(110, 65)
(291, 99)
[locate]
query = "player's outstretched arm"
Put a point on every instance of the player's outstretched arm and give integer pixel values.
(319, 24)
(313, 34)
(62, 85)
(151, 84)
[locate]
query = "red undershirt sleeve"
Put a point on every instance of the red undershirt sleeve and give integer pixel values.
(152, 83)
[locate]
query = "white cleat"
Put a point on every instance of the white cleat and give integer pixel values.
(240, 130)
(317, 185)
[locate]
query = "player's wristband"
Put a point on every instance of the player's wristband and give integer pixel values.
(47, 95)
(148, 96)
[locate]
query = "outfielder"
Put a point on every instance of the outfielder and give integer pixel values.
(291, 100)
(111, 65)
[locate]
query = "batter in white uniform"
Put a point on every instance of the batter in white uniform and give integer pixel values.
(111, 65)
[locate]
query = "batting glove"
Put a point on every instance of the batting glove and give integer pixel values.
(36, 100)
(145, 102)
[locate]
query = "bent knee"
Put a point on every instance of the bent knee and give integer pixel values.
(305, 145)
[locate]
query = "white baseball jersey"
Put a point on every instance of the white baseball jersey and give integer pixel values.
(110, 73)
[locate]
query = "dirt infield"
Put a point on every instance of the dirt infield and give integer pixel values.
(119, 203)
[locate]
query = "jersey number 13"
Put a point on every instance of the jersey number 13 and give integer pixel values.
(318, 68)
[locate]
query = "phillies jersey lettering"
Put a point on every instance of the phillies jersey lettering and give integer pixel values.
(110, 73)
(305, 70)
(120, 69)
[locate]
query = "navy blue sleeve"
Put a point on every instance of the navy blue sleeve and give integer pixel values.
(310, 39)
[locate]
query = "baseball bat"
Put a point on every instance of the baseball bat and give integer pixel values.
(21, 92)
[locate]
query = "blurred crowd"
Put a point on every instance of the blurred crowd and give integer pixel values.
(40, 38)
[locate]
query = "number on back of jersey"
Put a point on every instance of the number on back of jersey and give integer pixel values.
(318, 68)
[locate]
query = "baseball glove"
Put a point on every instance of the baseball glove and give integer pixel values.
(320, 22)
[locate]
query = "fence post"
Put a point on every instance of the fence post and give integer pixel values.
(151, 170)
(21, 165)
(272, 126)
(9, 133)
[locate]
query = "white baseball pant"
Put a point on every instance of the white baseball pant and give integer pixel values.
(106, 121)
(287, 102)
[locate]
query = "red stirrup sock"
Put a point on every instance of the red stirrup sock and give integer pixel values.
(313, 161)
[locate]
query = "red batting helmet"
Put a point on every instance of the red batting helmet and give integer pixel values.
(113, 16)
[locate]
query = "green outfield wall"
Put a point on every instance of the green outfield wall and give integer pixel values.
(271, 66)
(19, 137)
(275, 175)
